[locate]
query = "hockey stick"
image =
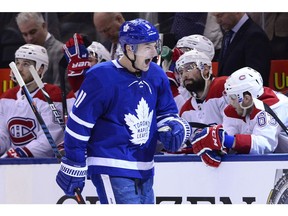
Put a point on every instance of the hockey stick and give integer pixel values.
(52, 106)
(25, 90)
(4, 155)
(57, 115)
(62, 71)
(79, 196)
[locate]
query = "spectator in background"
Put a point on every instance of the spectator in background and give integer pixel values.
(214, 33)
(21, 135)
(248, 45)
(34, 31)
(108, 24)
(10, 38)
(276, 28)
(185, 24)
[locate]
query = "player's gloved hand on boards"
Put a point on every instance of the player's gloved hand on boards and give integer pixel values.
(211, 144)
(211, 139)
(211, 158)
(71, 176)
(19, 152)
(173, 133)
(76, 55)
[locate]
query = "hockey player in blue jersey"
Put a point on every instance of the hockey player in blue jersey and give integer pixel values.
(123, 107)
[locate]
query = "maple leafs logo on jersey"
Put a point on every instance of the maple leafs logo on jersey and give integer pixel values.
(140, 124)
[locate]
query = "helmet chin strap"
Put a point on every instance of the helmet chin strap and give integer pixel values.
(205, 91)
(132, 61)
(245, 108)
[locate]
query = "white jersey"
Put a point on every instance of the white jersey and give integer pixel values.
(209, 111)
(258, 132)
(181, 97)
(19, 126)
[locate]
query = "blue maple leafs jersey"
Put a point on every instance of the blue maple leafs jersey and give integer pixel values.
(114, 120)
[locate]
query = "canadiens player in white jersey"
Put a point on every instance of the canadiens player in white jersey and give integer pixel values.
(247, 128)
(185, 44)
(20, 133)
(207, 102)
(123, 107)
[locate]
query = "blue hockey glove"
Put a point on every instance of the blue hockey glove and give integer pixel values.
(71, 176)
(18, 153)
(173, 133)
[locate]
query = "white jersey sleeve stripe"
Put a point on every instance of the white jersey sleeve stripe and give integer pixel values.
(80, 121)
(80, 98)
(77, 136)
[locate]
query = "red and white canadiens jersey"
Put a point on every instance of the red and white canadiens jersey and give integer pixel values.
(210, 111)
(19, 126)
(258, 132)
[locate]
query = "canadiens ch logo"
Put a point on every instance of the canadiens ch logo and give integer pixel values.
(21, 130)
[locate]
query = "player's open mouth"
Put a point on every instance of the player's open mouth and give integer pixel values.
(147, 61)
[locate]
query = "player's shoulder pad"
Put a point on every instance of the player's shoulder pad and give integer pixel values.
(10, 93)
(230, 112)
(54, 92)
(216, 88)
(186, 107)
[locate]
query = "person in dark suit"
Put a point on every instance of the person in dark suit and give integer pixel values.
(248, 45)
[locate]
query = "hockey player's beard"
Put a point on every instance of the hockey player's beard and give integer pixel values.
(195, 86)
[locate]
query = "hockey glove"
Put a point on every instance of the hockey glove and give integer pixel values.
(76, 55)
(71, 176)
(173, 133)
(211, 139)
(19, 153)
(211, 158)
(176, 54)
(173, 83)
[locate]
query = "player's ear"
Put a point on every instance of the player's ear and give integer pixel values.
(248, 98)
(128, 48)
(206, 70)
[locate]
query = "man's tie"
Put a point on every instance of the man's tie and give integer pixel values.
(226, 41)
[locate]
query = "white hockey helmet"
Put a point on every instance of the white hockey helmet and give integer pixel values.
(35, 53)
(243, 80)
(99, 52)
(198, 42)
(194, 56)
